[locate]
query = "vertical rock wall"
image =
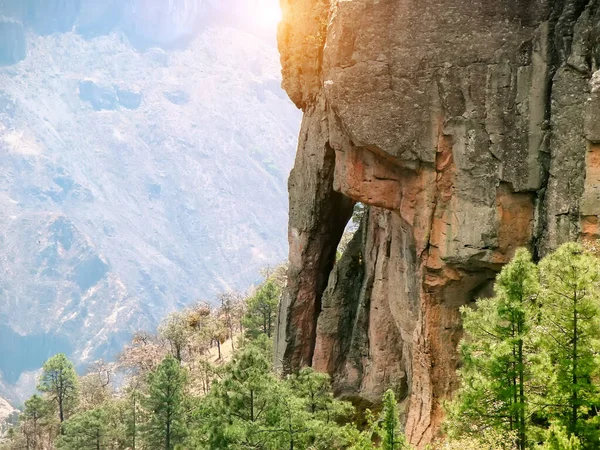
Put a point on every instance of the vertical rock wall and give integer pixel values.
(470, 128)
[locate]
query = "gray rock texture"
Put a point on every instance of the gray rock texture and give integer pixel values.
(470, 128)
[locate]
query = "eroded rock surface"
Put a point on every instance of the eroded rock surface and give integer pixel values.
(470, 128)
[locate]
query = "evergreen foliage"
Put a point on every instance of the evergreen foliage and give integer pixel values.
(391, 435)
(166, 426)
(529, 378)
(87, 430)
(570, 328)
(530, 355)
(59, 381)
(498, 355)
(261, 314)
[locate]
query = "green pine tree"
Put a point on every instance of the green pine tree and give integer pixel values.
(391, 435)
(261, 314)
(132, 407)
(312, 417)
(570, 330)
(499, 356)
(240, 404)
(87, 430)
(59, 382)
(33, 419)
(166, 426)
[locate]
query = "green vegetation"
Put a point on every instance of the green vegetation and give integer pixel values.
(530, 356)
(184, 389)
(59, 381)
(530, 378)
(165, 427)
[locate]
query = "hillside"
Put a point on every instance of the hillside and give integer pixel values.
(134, 180)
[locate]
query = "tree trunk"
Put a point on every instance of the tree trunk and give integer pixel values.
(522, 430)
(168, 436)
(574, 396)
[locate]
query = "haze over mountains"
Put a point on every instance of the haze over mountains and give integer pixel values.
(144, 148)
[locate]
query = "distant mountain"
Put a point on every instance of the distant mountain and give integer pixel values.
(6, 411)
(133, 180)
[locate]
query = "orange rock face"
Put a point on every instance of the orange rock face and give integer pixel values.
(467, 128)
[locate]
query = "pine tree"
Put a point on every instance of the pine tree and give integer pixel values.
(176, 331)
(132, 414)
(86, 430)
(240, 403)
(570, 329)
(311, 414)
(391, 436)
(59, 381)
(166, 426)
(261, 311)
(557, 438)
(499, 355)
(33, 419)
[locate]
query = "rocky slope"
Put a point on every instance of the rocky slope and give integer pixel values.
(134, 180)
(470, 128)
(6, 411)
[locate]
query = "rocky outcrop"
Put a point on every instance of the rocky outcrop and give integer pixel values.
(470, 128)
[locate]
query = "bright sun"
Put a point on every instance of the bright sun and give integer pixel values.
(269, 15)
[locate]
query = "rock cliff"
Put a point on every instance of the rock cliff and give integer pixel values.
(470, 128)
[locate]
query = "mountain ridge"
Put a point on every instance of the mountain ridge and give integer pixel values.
(135, 182)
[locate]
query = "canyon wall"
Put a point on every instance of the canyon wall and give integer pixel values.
(470, 128)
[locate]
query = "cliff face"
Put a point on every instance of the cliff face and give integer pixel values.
(470, 128)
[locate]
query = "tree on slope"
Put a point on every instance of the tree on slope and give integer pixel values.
(176, 331)
(164, 404)
(33, 419)
(59, 382)
(261, 313)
